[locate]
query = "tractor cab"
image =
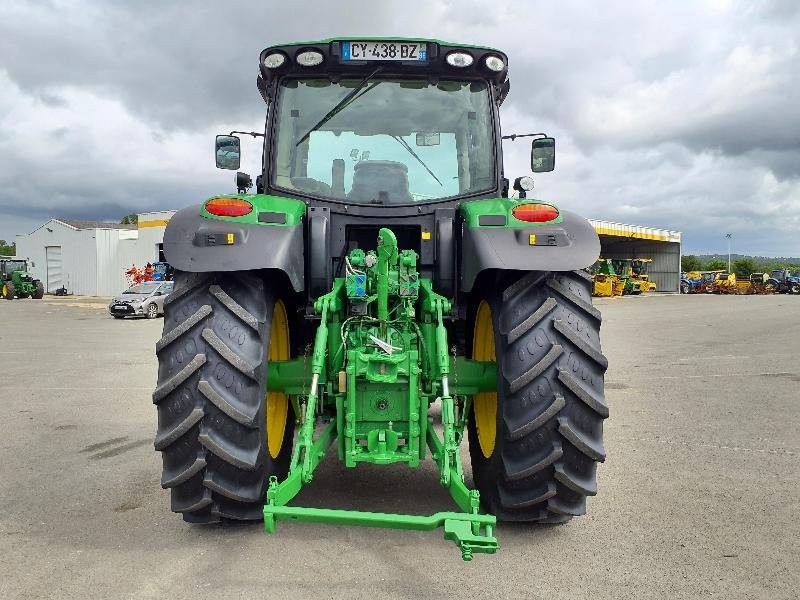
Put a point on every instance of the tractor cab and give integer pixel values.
(11, 266)
(373, 133)
(780, 274)
(640, 267)
(624, 269)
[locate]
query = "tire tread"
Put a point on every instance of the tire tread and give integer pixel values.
(550, 399)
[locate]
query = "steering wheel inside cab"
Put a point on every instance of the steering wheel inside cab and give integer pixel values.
(312, 186)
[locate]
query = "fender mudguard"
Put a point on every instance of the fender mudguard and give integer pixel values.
(566, 246)
(196, 244)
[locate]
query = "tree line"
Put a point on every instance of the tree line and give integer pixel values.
(743, 267)
(7, 249)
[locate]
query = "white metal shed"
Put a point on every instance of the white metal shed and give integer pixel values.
(88, 257)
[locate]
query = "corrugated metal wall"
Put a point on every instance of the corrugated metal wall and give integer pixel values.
(78, 255)
(665, 270)
(93, 261)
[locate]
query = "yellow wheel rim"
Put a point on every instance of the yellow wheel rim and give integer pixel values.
(277, 402)
(5, 290)
(485, 403)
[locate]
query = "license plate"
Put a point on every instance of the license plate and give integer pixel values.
(120, 307)
(405, 51)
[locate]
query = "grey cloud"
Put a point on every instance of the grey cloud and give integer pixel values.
(683, 115)
(179, 65)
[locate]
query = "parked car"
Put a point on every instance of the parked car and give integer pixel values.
(141, 300)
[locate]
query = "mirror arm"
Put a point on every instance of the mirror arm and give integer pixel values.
(514, 136)
(253, 133)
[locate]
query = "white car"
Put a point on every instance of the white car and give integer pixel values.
(141, 300)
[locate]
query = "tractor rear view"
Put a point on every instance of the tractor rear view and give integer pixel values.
(381, 269)
(17, 282)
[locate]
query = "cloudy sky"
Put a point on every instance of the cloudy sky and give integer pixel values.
(680, 115)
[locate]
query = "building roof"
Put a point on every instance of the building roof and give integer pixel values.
(636, 232)
(77, 224)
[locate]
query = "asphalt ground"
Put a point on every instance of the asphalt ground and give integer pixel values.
(698, 497)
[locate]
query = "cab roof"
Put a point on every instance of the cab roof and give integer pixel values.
(333, 62)
(385, 39)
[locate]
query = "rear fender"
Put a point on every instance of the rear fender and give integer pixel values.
(567, 245)
(200, 244)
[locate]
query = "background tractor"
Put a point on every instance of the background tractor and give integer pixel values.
(690, 280)
(15, 281)
(698, 282)
(605, 282)
(640, 267)
(783, 281)
(381, 268)
(623, 267)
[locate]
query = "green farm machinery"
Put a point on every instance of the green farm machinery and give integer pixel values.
(17, 282)
(623, 267)
(379, 276)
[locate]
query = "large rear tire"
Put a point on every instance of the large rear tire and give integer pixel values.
(211, 396)
(9, 291)
(535, 443)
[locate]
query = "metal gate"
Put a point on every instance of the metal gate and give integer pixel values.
(54, 273)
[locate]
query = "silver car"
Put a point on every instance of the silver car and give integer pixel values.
(141, 300)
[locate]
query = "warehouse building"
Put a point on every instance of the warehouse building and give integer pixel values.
(618, 240)
(90, 258)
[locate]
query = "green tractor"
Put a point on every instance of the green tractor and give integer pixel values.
(17, 282)
(625, 271)
(381, 269)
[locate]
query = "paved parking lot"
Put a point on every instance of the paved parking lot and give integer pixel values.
(698, 498)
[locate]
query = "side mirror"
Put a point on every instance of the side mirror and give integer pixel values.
(227, 149)
(543, 155)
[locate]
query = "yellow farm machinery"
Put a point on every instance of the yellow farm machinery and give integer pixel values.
(640, 267)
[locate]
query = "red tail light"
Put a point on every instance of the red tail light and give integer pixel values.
(229, 207)
(535, 213)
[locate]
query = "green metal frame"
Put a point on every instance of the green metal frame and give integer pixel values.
(379, 360)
